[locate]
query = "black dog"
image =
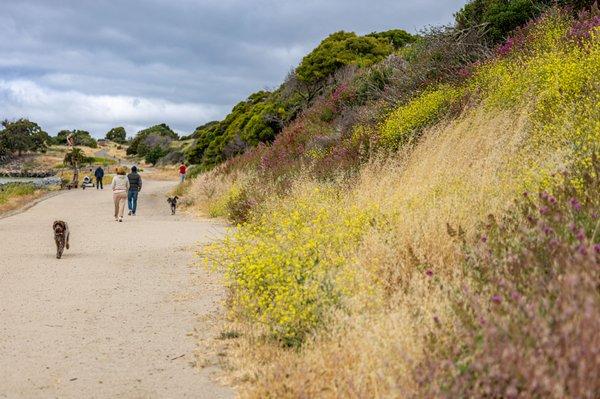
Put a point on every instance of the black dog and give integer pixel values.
(173, 202)
(61, 237)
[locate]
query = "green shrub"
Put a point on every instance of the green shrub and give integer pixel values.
(346, 48)
(117, 135)
(155, 154)
(162, 130)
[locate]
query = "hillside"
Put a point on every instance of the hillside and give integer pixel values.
(427, 224)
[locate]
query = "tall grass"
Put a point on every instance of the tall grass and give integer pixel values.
(15, 190)
(379, 281)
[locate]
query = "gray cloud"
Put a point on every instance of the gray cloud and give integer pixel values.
(97, 64)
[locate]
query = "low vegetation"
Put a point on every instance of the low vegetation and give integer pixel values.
(437, 236)
(15, 195)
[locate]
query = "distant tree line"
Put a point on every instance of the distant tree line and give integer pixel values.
(22, 135)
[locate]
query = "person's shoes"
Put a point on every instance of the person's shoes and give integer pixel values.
(116, 219)
(120, 219)
(129, 213)
(133, 214)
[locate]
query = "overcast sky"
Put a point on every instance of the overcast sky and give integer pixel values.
(96, 64)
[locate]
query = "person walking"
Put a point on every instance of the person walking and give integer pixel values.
(182, 172)
(99, 173)
(135, 186)
(120, 186)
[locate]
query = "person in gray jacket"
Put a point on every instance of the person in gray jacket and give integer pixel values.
(135, 186)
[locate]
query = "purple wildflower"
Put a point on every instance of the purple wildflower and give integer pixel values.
(552, 200)
(580, 235)
(497, 299)
(483, 239)
(429, 272)
(582, 250)
(597, 248)
(543, 210)
(575, 204)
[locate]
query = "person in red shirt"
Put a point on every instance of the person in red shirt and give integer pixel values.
(182, 171)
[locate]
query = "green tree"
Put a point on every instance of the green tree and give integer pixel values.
(160, 130)
(339, 49)
(117, 134)
(81, 137)
(155, 154)
(23, 135)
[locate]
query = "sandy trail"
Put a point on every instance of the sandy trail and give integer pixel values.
(113, 318)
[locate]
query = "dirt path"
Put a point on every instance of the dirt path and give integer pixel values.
(114, 317)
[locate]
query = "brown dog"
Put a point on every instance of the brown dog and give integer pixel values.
(61, 237)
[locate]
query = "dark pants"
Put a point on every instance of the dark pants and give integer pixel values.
(132, 196)
(99, 183)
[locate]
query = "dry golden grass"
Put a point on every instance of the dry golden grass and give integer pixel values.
(166, 173)
(206, 194)
(458, 173)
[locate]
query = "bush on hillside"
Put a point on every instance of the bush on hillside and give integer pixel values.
(117, 134)
(162, 130)
(501, 17)
(257, 120)
(154, 154)
(346, 48)
(173, 157)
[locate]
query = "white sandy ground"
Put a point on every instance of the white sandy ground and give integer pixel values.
(114, 318)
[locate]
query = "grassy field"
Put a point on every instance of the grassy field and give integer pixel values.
(14, 196)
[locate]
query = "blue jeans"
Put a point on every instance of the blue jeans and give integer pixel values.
(132, 196)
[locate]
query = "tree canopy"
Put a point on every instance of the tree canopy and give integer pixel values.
(345, 48)
(21, 136)
(81, 137)
(157, 130)
(117, 134)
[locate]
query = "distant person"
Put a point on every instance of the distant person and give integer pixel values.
(99, 174)
(120, 186)
(182, 172)
(135, 186)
